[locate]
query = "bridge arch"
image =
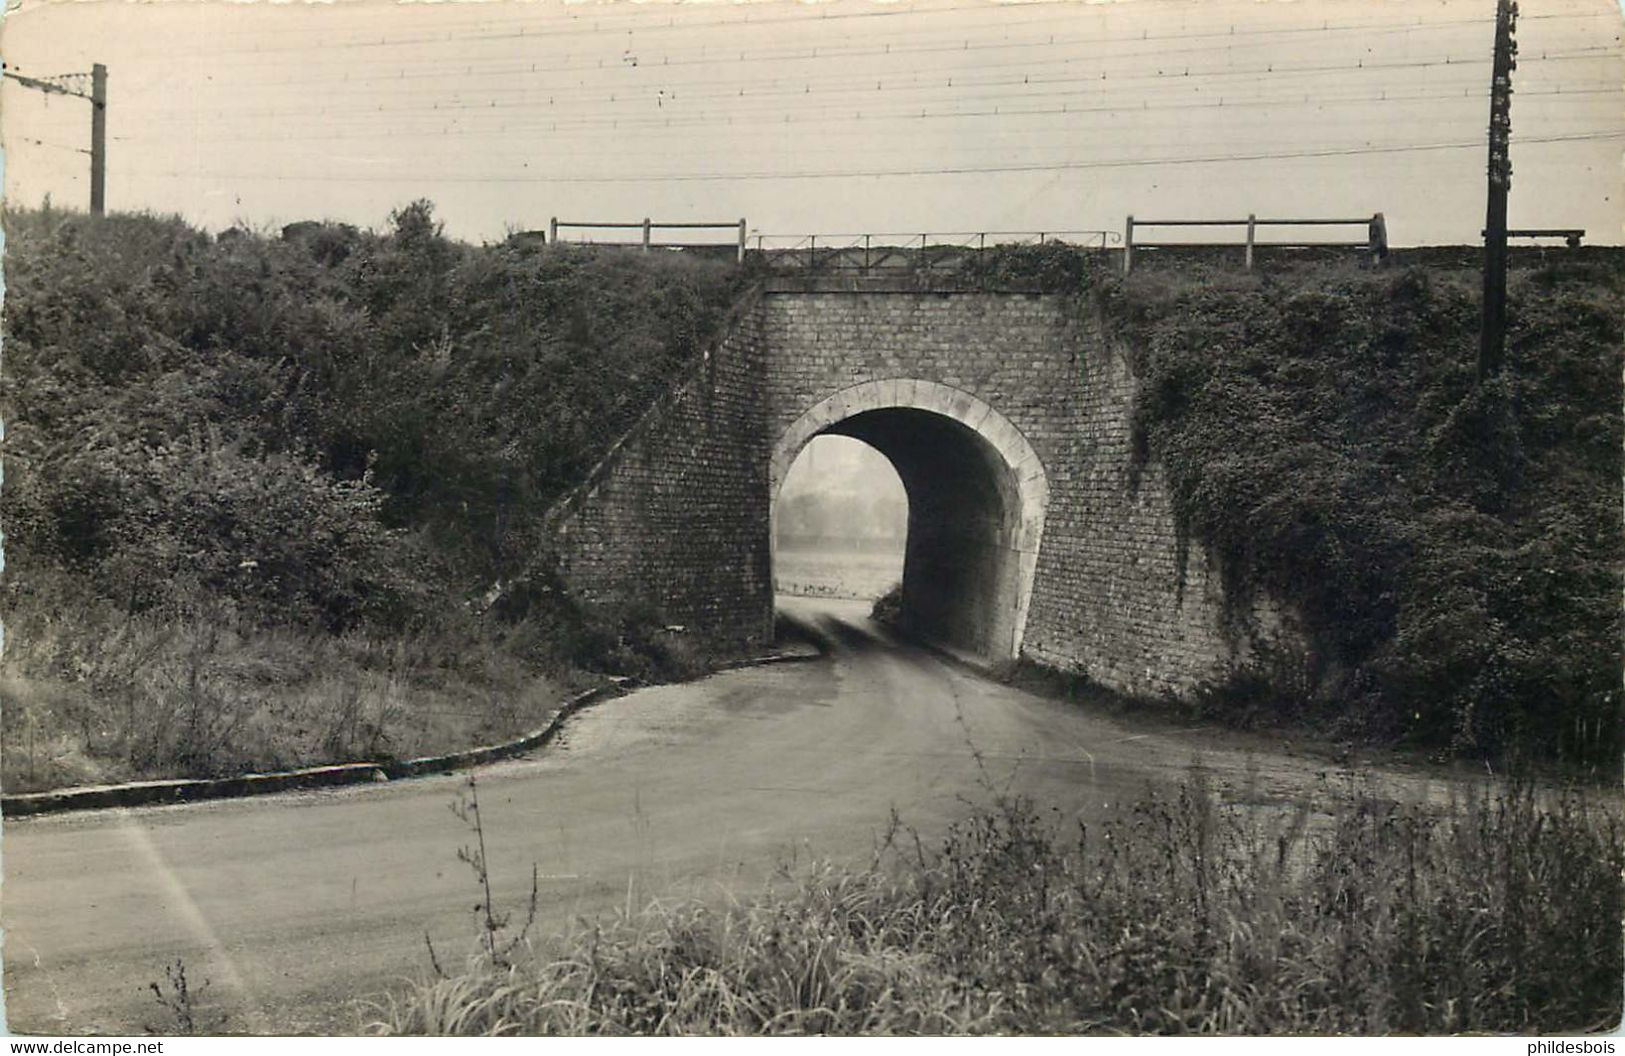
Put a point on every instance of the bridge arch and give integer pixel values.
(977, 495)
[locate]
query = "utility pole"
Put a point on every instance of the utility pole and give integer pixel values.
(98, 139)
(63, 85)
(1492, 336)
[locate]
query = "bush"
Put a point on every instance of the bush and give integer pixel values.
(888, 608)
(197, 522)
(1054, 266)
(469, 386)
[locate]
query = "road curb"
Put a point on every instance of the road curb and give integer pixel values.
(770, 658)
(192, 790)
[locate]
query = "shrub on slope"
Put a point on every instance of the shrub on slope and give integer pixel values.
(397, 381)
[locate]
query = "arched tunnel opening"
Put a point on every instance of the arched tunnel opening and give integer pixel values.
(840, 523)
(969, 546)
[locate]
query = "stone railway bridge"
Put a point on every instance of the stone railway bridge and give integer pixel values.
(1007, 416)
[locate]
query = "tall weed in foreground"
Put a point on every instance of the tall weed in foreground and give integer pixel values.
(1179, 915)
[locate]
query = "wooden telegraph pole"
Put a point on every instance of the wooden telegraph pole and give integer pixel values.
(98, 139)
(98, 120)
(1492, 336)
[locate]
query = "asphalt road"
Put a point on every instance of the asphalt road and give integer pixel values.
(297, 908)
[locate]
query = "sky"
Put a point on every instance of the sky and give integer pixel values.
(831, 118)
(849, 473)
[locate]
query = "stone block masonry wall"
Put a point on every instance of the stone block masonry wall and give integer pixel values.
(677, 514)
(1117, 595)
(1111, 596)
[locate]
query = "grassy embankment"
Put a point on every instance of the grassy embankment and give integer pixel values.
(1452, 550)
(260, 489)
(1190, 912)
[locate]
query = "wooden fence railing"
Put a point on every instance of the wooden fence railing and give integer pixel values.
(648, 228)
(1376, 240)
(1570, 235)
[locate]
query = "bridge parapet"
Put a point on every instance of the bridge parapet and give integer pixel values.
(887, 255)
(905, 283)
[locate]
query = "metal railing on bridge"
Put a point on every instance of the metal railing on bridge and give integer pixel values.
(899, 253)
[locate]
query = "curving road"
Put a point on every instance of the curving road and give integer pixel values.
(298, 907)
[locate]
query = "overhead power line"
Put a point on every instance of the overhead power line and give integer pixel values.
(648, 21)
(47, 143)
(372, 42)
(459, 123)
(646, 95)
(1059, 132)
(848, 83)
(969, 170)
(462, 66)
(466, 68)
(1049, 145)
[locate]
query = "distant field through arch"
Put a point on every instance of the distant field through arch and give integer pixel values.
(840, 522)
